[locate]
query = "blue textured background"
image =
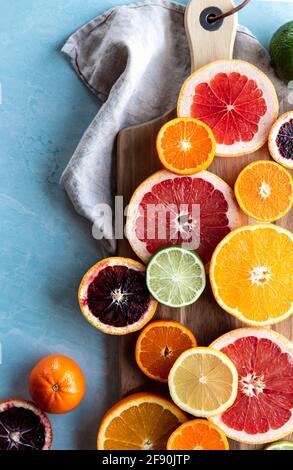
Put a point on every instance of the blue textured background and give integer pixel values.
(45, 246)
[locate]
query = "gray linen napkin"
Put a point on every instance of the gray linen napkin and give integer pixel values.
(134, 58)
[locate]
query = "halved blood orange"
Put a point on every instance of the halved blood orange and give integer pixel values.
(264, 190)
(281, 140)
(236, 100)
(114, 298)
(195, 211)
(159, 345)
(198, 434)
(23, 426)
(186, 146)
(263, 410)
(142, 421)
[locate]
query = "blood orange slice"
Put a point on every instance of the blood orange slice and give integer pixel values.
(236, 100)
(263, 410)
(196, 211)
(114, 298)
(281, 140)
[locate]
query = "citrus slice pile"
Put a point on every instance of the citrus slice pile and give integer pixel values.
(281, 445)
(114, 298)
(198, 434)
(167, 209)
(143, 421)
(281, 140)
(236, 100)
(23, 426)
(251, 274)
(264, 190)
(203, 382)
(159, 345)
(176, 276)
(263, 410)
(186, 146)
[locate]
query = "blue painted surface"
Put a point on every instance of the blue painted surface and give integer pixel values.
(45, 246)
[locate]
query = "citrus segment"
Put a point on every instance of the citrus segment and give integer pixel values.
(143, 421)
(23, 426)
(236, 100)
(263, 408)
(251, 274)
(186, 146)
(114, 298)
(159, 345)
(264, 190)
(281, 445)
(176, 276)
(195, 211)
(203, 382)
(281, 140)
(198, 434)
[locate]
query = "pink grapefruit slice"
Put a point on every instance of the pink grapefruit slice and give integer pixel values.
(263, 409)
(236, 100)
(281, 140)
(195, 211)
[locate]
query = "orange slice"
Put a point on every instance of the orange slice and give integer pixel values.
(264, 190)
(186, 146)
(113, 296)
(198, 434)
(251, 274)
(159, 345)
(143, 421)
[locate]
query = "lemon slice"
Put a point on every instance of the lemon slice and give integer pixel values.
(281, 445)
(203, 382)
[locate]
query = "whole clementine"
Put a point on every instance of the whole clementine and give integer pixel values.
(57, 384)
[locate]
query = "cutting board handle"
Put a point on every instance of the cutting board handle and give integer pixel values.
(209, 45)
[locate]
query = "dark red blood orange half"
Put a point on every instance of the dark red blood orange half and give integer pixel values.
(236, 100)
(114, 298)
(281, 140)
(195, 211)
(263, 410)
(23, 426)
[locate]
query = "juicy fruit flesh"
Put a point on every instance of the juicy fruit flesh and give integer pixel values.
(284, 140)
(265, 391)
(203, 382)
(175, 277)
(198, 435)
(265, 190)
(160, 348)
(21, 429)
(231, 105)
(118, 296)
(145, 426)
(171, 211)
(186, 145)
(253, 273)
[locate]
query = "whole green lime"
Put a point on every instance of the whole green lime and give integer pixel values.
(281, 51)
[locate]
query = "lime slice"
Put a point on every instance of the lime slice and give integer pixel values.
(176, 276)
(282, 445)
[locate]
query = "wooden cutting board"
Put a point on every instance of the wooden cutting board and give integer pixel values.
(136, 160)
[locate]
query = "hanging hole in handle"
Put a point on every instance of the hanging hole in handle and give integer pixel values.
(207, 16)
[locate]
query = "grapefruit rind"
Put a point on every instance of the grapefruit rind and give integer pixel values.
(210, 424)
(239, 198)
(286, 346)
(273, 149)
(234, 311)
(233, 213)
(204, 413)
(135, 400)
(206, 73)
(189, 170)
(159, 324)
(94, 321)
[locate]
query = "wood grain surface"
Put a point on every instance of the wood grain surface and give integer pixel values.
(136, 160)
